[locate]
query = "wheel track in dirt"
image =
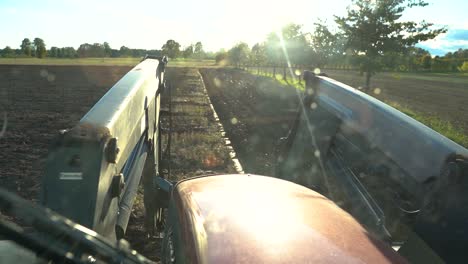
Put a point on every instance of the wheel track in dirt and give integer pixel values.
(255, 113)
(197, 147)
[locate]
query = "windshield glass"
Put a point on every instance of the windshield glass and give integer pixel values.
(104, 106)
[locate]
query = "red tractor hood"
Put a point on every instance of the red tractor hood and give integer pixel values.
(257, 219)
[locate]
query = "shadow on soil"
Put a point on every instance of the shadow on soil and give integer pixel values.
(255, 112)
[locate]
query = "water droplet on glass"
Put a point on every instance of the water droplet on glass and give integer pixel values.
(51, 77)
(317, 71)
(297, 72)
(234, 121)
(310, 91)
(44, 73)
(377, 90)
(313, 105)
(317, 153)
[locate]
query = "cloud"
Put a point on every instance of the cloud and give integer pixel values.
(451, 41)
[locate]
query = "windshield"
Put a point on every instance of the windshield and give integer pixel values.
(364, 102)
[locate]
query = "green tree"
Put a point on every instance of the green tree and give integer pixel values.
(53, 52)
(171, 49)
(426, 61)
(107, 49)
(26, 46)
(8, 52)
(221, 58)
(373, 29)
(258, 55)
(239, 54)
(124, 51)
(69, 52)
(325, 45)
(40, 47)
(295, 44)
(440, 64)
(273, 51)
(188, 52)
(198, 51)
(287, 48)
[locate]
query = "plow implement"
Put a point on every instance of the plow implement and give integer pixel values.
(94, 169)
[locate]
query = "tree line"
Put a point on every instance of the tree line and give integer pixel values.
(369, 38)
(173, 49)
(37, 48)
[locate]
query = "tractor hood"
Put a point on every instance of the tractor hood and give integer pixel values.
(256, 219)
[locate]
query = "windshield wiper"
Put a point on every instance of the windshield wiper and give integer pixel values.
(58, 238)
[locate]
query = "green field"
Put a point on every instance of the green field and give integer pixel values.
(102, 61)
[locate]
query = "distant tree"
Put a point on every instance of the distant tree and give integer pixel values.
(426, 62)
(26, 46)
(273, 51)
(154, 52)
(325, 45)
(239, 54)
(8, 52)
(198, 51)
(295, 43)
(221, 58)
(460, 54)
(40, 47)
(124, 51)
(188, 52)
(53, 52)
(439, 64)
(413, 58)
(69, 52)
(84, 50)
(115, 53)
(198, 48)
(373, 29)
(209, 55)
(107, 49)
(171, 49)
(98, 50)
(258, 55)
(288, 48)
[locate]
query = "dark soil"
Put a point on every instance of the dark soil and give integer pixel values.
(255, 111)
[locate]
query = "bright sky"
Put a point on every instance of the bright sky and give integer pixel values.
(217, 24)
